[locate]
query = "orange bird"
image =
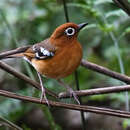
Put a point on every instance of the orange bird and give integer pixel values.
(56, 57)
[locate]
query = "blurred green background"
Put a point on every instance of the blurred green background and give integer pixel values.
(24, 22)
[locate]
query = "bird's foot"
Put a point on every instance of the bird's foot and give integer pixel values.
(73, 94)
(69, 90)
(43, 96)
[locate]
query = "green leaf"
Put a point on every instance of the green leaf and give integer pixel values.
(98, 2)
(117, 13)
(126, 123)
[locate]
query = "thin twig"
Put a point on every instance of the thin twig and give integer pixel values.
(97, 91)
(124, 5)
(10, 124)
(19, 75)
(76, 73)
(65, 11)
(120, 62)
(105, 71)
(97, 110)
(78, 89)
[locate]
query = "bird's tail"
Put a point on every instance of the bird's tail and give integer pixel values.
(16, 53)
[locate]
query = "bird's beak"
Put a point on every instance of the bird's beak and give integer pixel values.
(82, 25)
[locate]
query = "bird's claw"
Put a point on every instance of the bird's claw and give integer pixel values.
(43, 96)
(73, 94)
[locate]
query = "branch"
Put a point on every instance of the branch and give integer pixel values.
(124, 5)
(19, 75)
(85, 64)
(97, 91)
(97, 110)
(105, 71)
(10, 124)
(79, 93)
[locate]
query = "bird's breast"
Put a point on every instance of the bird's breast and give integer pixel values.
(62, 64)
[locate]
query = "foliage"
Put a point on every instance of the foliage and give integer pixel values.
(24, 22)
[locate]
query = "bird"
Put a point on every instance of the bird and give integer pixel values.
(55, 57)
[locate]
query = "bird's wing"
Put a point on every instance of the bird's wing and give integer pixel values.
(44, 50)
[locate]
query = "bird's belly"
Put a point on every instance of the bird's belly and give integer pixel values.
(56, 67)
(59, 69)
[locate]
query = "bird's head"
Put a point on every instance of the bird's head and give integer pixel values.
(66, 33)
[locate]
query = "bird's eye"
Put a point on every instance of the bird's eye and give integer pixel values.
(70, 31)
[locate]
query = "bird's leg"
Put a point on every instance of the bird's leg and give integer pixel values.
(43, 94)
(70, 90)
